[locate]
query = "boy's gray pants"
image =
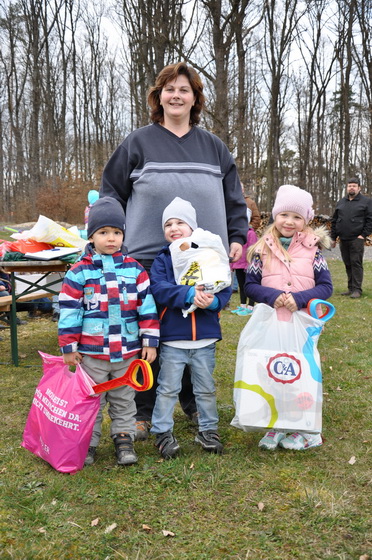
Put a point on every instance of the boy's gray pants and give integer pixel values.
(122, 407)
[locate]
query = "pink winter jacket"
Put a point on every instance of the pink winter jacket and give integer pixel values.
(294, 276)
(242, 262)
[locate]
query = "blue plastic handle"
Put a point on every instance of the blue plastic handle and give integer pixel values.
(312, 305)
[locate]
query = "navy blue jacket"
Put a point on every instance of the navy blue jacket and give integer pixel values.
(171, 297)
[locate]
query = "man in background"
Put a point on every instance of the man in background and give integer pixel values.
(352, 223)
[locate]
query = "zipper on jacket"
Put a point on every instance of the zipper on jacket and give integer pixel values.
(162, 313)
(125, 295)
(193, 326)
(193, 322)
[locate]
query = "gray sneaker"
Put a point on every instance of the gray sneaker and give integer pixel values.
(167, 444)
(124, 449)
(210, 441)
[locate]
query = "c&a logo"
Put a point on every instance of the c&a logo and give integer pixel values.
(284, 368)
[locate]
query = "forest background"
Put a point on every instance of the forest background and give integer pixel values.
(288, 86)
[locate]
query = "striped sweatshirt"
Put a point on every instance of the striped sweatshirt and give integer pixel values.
(152, 166)
(106, 307)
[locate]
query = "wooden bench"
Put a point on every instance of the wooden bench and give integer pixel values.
(6, 301)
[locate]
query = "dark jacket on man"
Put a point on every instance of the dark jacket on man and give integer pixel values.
(352, 218)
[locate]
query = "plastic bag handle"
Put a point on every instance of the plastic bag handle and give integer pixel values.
(330, 309)
(129, 378)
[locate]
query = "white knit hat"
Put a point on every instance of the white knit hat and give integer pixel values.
(293, 199)
(181, 209)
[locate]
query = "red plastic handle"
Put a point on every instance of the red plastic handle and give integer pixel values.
(129, 378)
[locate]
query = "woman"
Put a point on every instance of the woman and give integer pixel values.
(168, 158)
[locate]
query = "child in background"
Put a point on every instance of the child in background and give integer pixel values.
(286, 271)
(185, 341)
(107, 317)
(6, 290)
(93, 196)
(5, 284)
(240, 268)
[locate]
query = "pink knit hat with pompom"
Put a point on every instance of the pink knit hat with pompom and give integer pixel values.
(293, 199)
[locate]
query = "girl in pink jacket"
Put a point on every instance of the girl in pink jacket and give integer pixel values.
(287, 270)
(240, 268)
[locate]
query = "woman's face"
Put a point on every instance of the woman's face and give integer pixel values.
(177, 98)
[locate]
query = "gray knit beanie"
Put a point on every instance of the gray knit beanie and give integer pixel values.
(181, 209)
(106, 211)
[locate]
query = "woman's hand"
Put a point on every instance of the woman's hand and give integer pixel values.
(235, 252)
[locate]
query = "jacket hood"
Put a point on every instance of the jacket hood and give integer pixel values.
(324, 237)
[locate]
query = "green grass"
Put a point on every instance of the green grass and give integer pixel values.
(316, 505)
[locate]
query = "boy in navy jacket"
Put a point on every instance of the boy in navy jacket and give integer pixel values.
(185, 341)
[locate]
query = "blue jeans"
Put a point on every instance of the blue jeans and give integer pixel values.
(201, 362)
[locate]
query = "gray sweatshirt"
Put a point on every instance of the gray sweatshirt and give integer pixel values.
(152, 166)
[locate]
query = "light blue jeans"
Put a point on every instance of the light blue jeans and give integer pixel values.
(201, 362)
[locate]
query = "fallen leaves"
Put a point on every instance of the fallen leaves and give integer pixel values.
(110, 528)
(167, 533)
(260, 506)
(95, 522)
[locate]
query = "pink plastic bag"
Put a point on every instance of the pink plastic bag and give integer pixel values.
(64, 408)
(60, 423)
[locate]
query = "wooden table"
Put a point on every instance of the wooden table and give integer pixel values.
(33, 289)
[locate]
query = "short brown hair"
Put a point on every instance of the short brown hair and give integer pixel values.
(171, 73)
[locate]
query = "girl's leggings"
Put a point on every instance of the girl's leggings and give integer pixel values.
(240, 276)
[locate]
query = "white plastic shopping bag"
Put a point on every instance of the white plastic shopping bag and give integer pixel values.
(278, 378)
(48, 231)
(201, 259)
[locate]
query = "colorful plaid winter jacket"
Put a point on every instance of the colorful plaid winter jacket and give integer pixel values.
(106, 307)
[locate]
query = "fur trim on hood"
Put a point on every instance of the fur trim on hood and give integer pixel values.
(324, 238)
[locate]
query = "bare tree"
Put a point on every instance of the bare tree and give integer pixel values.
(363, 57)
(14, 71)
(318, 60)
(281, 20)
(153, 37)
(243, 31)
